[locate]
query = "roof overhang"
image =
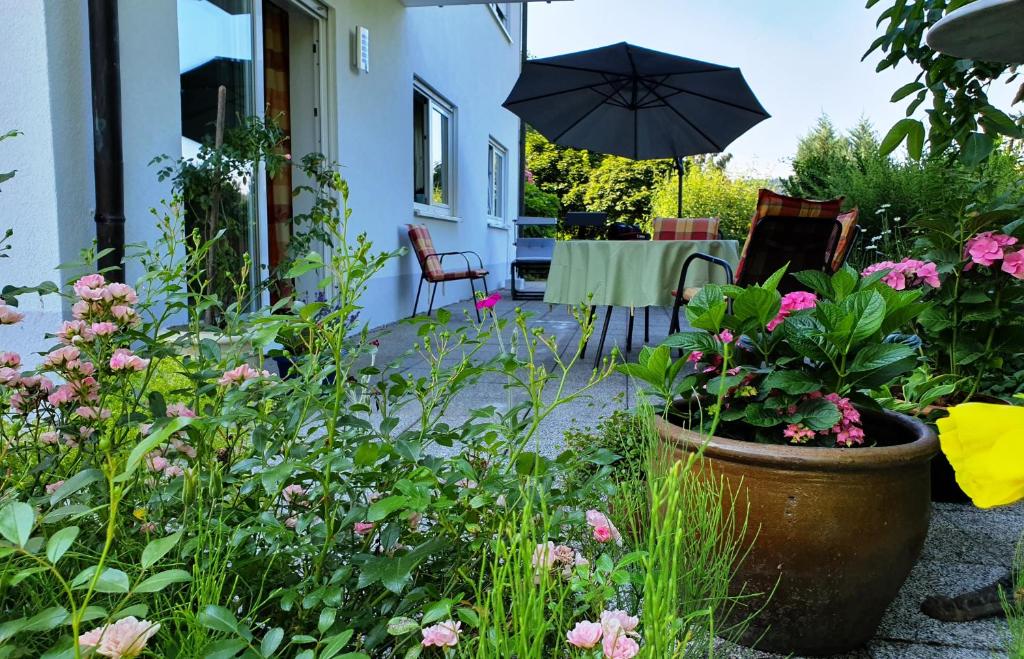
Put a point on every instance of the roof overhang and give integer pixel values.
(442, 3)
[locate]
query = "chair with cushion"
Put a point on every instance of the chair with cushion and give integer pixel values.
(686, 228)
(848, 240)
(801, 242)
(432, 267)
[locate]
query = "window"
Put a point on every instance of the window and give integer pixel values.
(503, 12)
(497, 156)
(433, 145)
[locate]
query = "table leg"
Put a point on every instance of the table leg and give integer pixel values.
(647, 324)
(629, 332)
(604, 333)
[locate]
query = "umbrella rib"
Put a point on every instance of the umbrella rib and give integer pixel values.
(636, 115)
(679, 90)
(592, 86)
(577, 122)
(691, 124)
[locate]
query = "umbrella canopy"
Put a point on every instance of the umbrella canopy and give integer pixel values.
(635, 102)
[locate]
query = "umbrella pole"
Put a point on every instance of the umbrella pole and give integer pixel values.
(679, 171)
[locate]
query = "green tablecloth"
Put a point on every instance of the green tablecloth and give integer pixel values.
(625, 273)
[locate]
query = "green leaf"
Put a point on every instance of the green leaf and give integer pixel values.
(46, 620)
(111, 580)
(757, 304)
(897, 134)
(819, 414)
(157, 437)
(906, 90)
(74, 484)
(790, 382)
(877, 356)
(707, 309)
(817, 281)
(271, 641)
(60, 542)
(161, 580)
(227, 648)
(867, 308)
(327, 618)
(915, 141)
(843, 282)
(384, 507)
(16, 522)
(219, 619)
(157, 549)
(335, 644)
(394, 572)
(976, 149)
(402, 626)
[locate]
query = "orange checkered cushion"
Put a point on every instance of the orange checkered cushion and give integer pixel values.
(849, 222)
(688, 228)
(419, 236)
(773, 204)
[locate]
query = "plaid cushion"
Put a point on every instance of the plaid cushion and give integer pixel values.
(773, 204)
(849, 222)
(419, 236)
(690, 228)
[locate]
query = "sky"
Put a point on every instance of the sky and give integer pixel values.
(802, 58)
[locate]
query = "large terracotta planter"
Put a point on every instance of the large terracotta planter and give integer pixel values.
(837, 529)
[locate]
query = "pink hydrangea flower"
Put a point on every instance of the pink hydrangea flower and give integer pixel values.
(795, 301)
(488, 302)
(798, 433)
(125, 360)
(604, 530)
(908, 273)
(123, 639)
(695, 356)
(987, 248)
(585, 635)
(725, 336)
(443, 635)
(363, 528)
(848, 431)
(1013, 264)
(53, 487)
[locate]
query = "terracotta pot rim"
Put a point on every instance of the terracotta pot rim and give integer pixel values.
(920, 449)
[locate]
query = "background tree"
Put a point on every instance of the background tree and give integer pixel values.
(624, 188)
(559, 170)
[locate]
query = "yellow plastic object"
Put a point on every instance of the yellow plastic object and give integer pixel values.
(985, 445)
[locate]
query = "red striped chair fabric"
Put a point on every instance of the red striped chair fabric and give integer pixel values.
(687, 228)
(849, 222)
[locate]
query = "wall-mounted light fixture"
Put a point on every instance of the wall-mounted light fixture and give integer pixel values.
(361, 49)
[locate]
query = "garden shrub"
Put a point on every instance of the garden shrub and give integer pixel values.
(710, 192)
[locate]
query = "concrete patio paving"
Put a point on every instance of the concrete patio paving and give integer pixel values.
(966, 548)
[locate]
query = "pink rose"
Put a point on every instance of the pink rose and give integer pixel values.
(180, 410)
(122, 639)
(173, 471)
(621, 618)
(585, 635)
(363, 528)
(620, 647)
(9, 376)
(53, 487)
(240, 374)
(10, 360)
(75, 331)
(125, 360)
(64, 395)
(49, 438)
(105, 328)
(1013, 264)
(442, 635)
(61, 356)
(604, 530)
(157, 462)
(293, 493)
(8, 316)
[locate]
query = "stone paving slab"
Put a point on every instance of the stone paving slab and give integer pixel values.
(966, 548)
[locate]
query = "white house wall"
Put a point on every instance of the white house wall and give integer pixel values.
(460, 51)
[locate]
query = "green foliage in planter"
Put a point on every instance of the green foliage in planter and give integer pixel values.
(784, 368)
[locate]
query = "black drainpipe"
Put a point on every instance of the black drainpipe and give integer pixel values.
(108, 159)
(522, 127)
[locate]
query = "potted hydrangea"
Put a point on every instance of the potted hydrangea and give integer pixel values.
(771, 389)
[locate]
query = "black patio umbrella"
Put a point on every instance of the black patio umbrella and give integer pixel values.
(635, 102)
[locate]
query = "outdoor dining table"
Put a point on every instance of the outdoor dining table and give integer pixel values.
(631, 273)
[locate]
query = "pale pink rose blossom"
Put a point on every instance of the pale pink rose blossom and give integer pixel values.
(105, 328)
(604, 530)
(9, 316)
(443, 635)
(124, 314)
(53, 487)
(125, 360)
(240, 374)
(585, 635)
(620, 647)
(543, 556)
(123, 639)
(9, 376)
(621, 618)
(92, 414)
(75, 331)
(148, 527)
(65, 394)
(10, 360)
(49, 438)
(62, 356)
(80, 310)
(363, 528)
(291, 522)
(88, 283)
(173, 471)
(293, 493)
(122, 293)
(180, 410)
(185, 449)
(157, 462)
